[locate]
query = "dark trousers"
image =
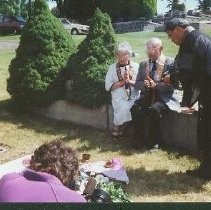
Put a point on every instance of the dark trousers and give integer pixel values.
(204, 127)
(204, 133)
(147, 124)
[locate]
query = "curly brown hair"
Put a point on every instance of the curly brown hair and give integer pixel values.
(57, 159)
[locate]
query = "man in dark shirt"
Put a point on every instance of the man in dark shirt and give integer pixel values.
(194, 71)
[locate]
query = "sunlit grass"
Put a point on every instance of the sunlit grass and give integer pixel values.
(10, 37)
(5, 58)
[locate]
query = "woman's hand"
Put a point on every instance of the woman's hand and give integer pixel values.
(118, 84)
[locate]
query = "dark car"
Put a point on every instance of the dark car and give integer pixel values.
(11, 24)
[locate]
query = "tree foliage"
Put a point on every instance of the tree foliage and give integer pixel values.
(204, 4)
(174, 5)
(88, 67)
(82, 10)
(15, 7)
(10, 7)
(44, 49)
(63, 7)
(129, 10)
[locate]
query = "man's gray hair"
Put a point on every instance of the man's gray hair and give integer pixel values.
(124, 47)
(154, 41)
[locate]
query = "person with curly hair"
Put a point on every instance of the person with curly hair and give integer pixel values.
(53, 169)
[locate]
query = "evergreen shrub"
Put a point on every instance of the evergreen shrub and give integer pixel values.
(36, 73)
(88, 67)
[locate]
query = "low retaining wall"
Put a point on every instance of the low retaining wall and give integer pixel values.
(133, 26)
(178, 130)
(202, 26)
(65, 110)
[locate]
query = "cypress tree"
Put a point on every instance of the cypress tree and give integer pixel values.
(45, 46)
(88, 67)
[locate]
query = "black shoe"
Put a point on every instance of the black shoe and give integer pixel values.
(199, 173)
(154, 148)
(193, 173)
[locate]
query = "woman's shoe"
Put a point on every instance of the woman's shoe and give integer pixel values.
(115, 132)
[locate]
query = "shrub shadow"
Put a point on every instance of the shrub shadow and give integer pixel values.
(90, 138)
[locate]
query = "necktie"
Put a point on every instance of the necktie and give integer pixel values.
(152, 73)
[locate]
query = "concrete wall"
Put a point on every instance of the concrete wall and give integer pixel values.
(65, 110)
(178, 130)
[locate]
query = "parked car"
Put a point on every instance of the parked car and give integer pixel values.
(11, 24)
(190, 12)
(74, 28)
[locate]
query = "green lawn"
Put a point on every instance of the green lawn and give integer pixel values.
(154, 177)
(9, 37)
(5, 58)
(138, 40)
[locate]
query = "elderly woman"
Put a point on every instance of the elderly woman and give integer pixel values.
(53, 169)
(120, 80)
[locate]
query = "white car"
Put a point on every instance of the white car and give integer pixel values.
(74, 28)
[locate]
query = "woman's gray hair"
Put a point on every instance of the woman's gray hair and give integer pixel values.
(155, 42)
(124, 47)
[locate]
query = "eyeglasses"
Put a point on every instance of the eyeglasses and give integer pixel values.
(123, 55)
(152, 49)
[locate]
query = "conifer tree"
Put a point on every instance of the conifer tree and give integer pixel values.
(88, 67)
(45, 46)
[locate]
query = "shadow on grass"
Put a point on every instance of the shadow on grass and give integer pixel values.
(90, 138)
(142, 182)
(160, 183)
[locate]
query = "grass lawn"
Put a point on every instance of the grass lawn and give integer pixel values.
(138, 41)
(9, 37)
(154, 177)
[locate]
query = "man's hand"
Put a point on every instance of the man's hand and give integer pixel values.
(149, 83)
(166, 80)
(187, 110)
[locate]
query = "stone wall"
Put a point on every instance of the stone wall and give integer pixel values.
(65, 110)
(178, 130)
(133, 26)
